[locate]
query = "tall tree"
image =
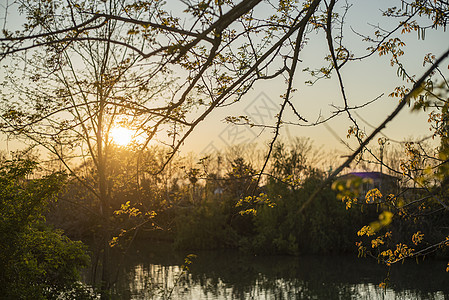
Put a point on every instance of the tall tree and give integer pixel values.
(74, 94)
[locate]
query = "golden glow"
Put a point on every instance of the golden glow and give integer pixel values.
(121, 136)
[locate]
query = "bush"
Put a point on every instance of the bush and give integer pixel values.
(204, 227)
(36, 262)
(325, 225)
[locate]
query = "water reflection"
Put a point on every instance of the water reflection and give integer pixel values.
(154, 272)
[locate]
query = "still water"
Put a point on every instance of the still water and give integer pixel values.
(154, 272)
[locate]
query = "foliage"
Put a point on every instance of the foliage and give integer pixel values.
(267, 219)
(325, 226)
(216, 222)
(412, 221)
(204, 227)
(36, 262)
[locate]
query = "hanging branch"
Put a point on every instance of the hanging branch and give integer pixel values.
(417, 87)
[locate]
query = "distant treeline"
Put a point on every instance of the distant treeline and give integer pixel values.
(220, 202)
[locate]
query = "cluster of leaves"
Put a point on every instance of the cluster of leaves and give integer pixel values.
(36, 262)
(401, 227)
(254, 201)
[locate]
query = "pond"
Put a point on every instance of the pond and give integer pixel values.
(153, 271)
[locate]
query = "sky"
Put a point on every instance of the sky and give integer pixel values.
(364, 80)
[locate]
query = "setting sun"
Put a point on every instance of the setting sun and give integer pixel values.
(121, 136)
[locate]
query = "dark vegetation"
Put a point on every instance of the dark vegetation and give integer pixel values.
(204, 205)
(36, 261)
(210, 205)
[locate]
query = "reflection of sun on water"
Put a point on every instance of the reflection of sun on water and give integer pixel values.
(121, 136)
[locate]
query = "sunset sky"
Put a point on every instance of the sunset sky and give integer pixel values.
(364, 80)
